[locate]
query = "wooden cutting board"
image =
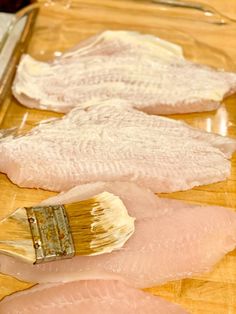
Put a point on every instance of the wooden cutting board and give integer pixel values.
(210, 293)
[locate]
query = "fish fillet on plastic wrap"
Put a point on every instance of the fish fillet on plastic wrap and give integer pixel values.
(114, 142)
(172, 240)
(84, 297)
(148, 72)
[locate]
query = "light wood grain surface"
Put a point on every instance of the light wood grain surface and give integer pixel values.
(227, 7)
(209, 293)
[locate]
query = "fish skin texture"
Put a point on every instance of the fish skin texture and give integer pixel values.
(84, 297)
(111, 143)
(148, 72)
(172, 240)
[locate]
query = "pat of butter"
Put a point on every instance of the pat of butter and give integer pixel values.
(35, 68)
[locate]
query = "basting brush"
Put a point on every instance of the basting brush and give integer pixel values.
(39, 234)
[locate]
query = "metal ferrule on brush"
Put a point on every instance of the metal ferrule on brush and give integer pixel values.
(51, 234)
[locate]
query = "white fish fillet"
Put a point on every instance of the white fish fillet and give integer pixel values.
(172, 240)
(148, 72)
(84, 297)
(109, 143)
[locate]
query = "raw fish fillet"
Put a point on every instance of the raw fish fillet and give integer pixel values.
(172, 240)
(113, 142)
(148, 72)
(84, 297)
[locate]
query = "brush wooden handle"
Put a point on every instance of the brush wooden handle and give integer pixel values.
(15, 236)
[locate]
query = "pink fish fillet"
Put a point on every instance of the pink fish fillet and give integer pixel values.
(84, 297)
(148, 72)
(172, 240)
(114, 142)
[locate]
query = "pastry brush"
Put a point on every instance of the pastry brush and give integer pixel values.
(39, 234)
